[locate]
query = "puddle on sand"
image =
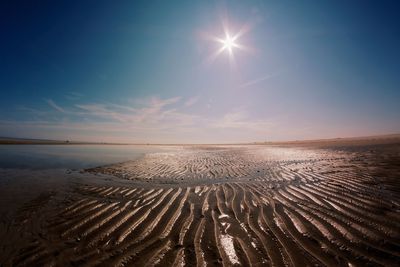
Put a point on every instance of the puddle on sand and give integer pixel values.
(227, 244)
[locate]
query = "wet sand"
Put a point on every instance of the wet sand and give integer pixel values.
(257, 205)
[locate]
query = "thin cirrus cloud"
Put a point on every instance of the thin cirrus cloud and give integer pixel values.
(147, 120)
(55, 106)
(191, 101)
(155, 120)
(259, 80)
(240, 120)
(73, 96)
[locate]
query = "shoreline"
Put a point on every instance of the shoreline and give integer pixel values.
(360, 139)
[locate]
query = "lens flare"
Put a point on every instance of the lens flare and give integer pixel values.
(229, 43)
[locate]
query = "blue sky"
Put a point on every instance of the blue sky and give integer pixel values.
(131, 71)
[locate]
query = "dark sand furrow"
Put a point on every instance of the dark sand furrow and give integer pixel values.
(356, 206)
(336, 243)
(291, 250)
(248, 235)
(148, 192)
(106, 191)
(358, 210)
(293, 190)
(44, 259)
(220, 200)
(268, 248)
(227, 195)
(151, 225)
(86, 225)
(307, 177)
(87, 220)
(251, 244)
(246, 258)
(354, 244)
(141, 238)
(244, 204)
(205, 204)
(112, 192)
(79, 208)
(352, 198)
(127, 228)
(374, 238)
(75, 205)
(155, 255)
(208, 244)
(29, 251)
(227, 258)
(314, 230)
(288, 175)
(276, 249)
(178, 233)
(353, 194)
(124, 190)
(150, 197)
(200, 261)
(100, 221)
(130, 192)
(188, 238)
(179, 259)
(147, 237)
(350, 231)
(157, 258)
(315, 196)
(364, 226)
(141, 252)
(64, 222)
(232, 200)
(354, 182)
(186, 226)
(175, 215)
(137, 193)
(367, 227)
(30, 258)
(313, 249)
(92, 189)
(108, 230)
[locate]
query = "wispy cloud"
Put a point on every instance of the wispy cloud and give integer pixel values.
(102, 111)
(73, 96)
(241, 120)
(259, 80)
(148, 120)
(55, 106)
(191, 101)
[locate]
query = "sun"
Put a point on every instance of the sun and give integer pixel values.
(229, 43)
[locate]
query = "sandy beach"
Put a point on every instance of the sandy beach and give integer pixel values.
(200, 133)
(248, 205)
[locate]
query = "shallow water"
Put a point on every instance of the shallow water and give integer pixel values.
(68, 156)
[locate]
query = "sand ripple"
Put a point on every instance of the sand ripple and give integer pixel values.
(264, 207)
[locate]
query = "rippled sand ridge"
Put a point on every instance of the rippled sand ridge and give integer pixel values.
(230, 206)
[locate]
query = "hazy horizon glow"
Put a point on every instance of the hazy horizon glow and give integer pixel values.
(199, 72)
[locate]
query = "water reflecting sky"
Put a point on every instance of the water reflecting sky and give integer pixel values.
(68, 156)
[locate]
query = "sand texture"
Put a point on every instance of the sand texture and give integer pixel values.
(220, 206)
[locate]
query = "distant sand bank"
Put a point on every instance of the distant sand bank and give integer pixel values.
(365, 140)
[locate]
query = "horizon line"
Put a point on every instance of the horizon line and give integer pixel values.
(17, 140)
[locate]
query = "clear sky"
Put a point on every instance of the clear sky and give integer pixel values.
(130, 71)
